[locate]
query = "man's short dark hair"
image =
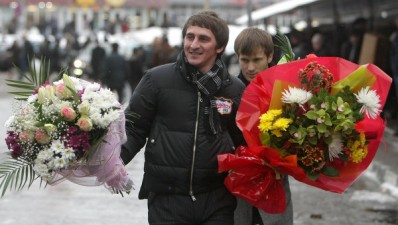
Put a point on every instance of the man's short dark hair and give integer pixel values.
(210, 20)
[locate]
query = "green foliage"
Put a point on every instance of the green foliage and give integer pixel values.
(35, 77)
(282, 42)
(15, 174)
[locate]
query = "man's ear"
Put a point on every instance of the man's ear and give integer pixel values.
(219, 50)
(270, 58)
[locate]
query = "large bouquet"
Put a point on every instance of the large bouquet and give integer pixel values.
(316, 119)
(68, 130)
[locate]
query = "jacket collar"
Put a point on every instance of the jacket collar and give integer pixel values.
(182, 67)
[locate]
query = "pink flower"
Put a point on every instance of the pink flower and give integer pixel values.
(42, 137)
(62, 91)
(27, 136)
(68, 113)
(85, 123)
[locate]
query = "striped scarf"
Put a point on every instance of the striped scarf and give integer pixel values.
(208, 84)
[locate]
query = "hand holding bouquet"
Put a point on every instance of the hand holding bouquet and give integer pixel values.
(70, 129)
(315, 119)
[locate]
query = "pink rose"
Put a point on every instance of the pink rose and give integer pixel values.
(62, 91)
(85, 123)
(27, 136)
(42, 137)
(68, 113)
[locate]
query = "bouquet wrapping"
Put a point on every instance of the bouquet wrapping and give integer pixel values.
(68, 130)
(317, 120)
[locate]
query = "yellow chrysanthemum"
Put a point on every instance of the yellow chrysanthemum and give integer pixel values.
(265, 126)
(267, 119)
(277, 133)
(270, 115)
(275, 112)
(359, 154)
(282, 123)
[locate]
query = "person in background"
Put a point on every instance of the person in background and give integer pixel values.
(98, 56)
(45, 50)
(254, 48)
(136, 66)
(319, 48)
(161, 52)
(184, 114)
(27, 55)
(351, 48)
(299, 46)
(115, 72)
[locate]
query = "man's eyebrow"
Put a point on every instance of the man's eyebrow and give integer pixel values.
(199, 35)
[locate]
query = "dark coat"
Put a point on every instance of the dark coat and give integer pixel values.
(180, 154)
(115, 71)
(98, 55)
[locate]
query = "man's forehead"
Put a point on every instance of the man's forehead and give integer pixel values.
(199, 30)
(257, 53)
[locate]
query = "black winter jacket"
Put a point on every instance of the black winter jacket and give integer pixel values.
(166, 114)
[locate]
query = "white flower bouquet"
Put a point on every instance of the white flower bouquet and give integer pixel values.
(68, 130)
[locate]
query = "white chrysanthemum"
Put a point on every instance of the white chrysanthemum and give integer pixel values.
(370, 101)
(59, 163)
(51, 164)
(296, 95)
(9, 122)
(44, 155)
(335, 147)
(68, 154)
(57, 146)
(42, 170)
(94, 87)
(103, 120)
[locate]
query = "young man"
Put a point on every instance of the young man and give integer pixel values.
(255, 49)
(185, 114)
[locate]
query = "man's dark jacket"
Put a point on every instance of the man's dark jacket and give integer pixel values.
(166, 113)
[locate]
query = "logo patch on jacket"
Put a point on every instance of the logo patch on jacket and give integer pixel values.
(224, 105)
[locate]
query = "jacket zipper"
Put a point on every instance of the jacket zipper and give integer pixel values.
(194, 147)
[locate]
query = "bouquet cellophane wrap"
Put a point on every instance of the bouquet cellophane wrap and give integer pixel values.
(104, 165)
(253, 177)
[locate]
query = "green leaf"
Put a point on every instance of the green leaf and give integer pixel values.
(311, 115)
(322, 128)
(15, 174)
(265, 139)
(330, 171)
(34, 79)
(312, 176)
(282, 41)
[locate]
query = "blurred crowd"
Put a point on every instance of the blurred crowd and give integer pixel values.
(129, 64)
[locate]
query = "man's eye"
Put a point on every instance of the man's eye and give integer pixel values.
(204, 39)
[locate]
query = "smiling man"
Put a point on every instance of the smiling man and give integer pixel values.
(184, 115)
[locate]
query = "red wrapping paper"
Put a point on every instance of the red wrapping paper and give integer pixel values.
(256, 182)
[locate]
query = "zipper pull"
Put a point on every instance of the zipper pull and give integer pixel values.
(192, 196)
